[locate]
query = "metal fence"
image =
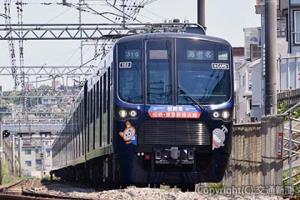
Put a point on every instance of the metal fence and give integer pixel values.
(291, 97)
(256, 157)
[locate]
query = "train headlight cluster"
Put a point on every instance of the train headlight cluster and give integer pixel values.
(132, 113)
(216, 114)
(225, 115)
(124, 113)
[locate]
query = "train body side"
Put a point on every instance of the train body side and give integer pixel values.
(87, 132)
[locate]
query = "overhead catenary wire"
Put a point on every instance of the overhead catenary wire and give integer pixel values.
(58, 15)
(132, 9)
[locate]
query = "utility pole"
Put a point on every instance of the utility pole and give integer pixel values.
(270, 56)
(201, 13)
(289, 28)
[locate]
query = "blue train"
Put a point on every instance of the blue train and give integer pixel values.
(158, 110)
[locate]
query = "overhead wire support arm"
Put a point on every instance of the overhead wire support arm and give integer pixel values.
(49, 70)
(57, 31)
(11, 43)
(89, 31)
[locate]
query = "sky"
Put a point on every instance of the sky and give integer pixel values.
(224, 18)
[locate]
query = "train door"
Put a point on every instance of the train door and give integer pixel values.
(159, 73)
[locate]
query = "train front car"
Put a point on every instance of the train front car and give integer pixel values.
(173, 108)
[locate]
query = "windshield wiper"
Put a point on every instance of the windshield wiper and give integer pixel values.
(191, 98)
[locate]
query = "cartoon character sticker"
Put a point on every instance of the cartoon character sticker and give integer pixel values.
(219, 137)
(128, 135)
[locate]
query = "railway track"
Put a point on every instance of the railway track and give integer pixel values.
(29, 189)
(30, 195)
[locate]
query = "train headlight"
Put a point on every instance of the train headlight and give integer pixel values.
(191, 154)
(225, 115)
(132, 113)
(216, 114)
(158, 155)
(122, 113)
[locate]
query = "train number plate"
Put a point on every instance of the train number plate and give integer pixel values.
(125, 65)
(223, 66)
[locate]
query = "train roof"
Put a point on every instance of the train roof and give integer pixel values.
(172, 35)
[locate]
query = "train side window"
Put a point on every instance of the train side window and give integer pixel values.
(82, 129)
(74, 135)
(68, 140)
(101, 109)
(71, 137)
(91, 131)
(97, 99)
(94, 115)
(104, 93)
(88, 121)
(94, 104)
(79, 129)
(91, 106)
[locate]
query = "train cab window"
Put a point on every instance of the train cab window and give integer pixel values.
(130, 63)
(203, 71)
(159, 65)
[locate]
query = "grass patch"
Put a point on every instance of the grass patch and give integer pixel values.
(7, 177)
(295, 179)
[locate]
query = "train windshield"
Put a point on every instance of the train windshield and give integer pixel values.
(202, 72)
(199, 69)
(130, 71)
